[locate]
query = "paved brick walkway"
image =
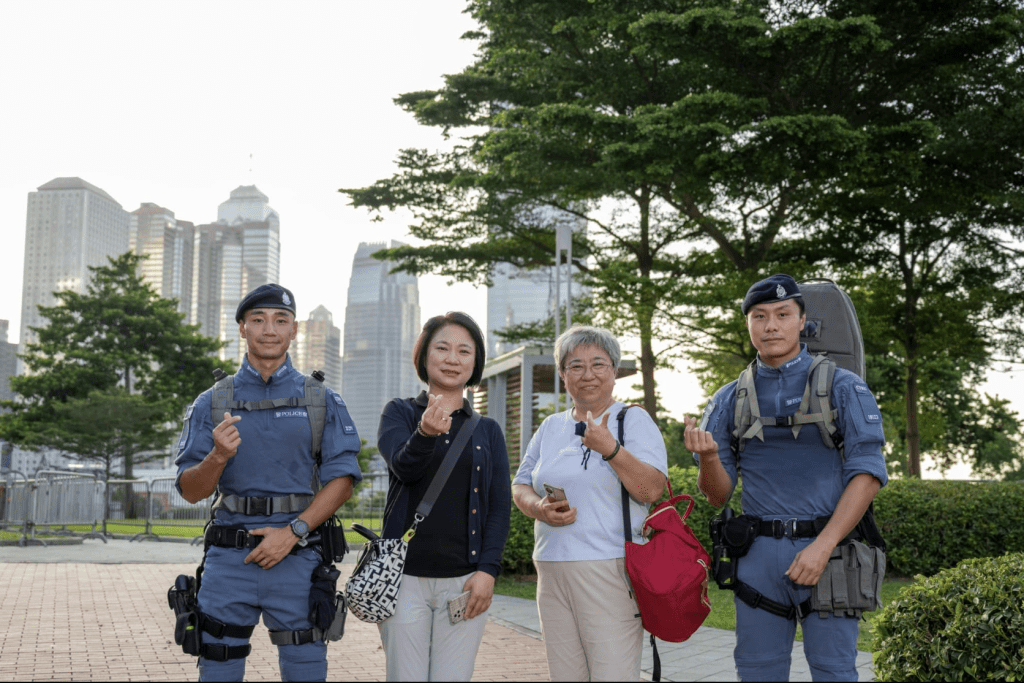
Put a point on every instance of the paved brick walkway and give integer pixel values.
(111, 622)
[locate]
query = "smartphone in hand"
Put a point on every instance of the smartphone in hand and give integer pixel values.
(556, 492)
(457, 607)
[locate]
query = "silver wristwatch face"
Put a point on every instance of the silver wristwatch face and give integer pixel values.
(299, 528)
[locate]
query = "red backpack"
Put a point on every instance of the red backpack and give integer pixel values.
(669, 573)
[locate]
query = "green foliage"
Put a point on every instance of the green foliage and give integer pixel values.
(684, 480)
(518, 555)
(109, 426)
(964, 624)
(120, 333)
(707, 143)
(933, 525)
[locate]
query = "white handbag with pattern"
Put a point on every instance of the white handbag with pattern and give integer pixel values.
(372, 590)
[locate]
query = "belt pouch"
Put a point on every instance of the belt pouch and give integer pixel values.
(852, 580)
(187, 632)
(337, 629)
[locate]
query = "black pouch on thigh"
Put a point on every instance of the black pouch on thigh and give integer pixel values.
(852, 581)
(731, 539)
(187, 632)
(326, 605)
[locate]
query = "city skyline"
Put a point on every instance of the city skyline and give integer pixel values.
(294, 99)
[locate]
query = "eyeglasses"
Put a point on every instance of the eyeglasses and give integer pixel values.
(598, 367)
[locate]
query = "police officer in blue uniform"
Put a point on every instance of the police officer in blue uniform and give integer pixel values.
(261, 463)
(790, 479)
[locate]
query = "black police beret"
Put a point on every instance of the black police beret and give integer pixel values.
(769, 290)
(267, 296)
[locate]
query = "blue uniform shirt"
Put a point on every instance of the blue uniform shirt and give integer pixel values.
(786, 477)
(275, 456)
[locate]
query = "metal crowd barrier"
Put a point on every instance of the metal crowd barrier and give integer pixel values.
(63, 499)
(170, 514)
(16, 504)
(58, 502)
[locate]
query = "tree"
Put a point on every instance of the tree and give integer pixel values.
(706, 142)
(109, 426)
(119, 334)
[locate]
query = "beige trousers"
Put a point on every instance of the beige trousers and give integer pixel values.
(590, 621)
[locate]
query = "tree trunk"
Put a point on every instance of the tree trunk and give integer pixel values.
(645, 313)
(913, 431)
(647, 370)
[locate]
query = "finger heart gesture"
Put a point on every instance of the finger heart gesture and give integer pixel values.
(436, 420)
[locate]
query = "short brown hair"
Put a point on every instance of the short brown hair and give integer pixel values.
(422, 346)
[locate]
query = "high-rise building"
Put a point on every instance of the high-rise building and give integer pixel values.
(317, 346)
(167, 243)
(238, 253)
(382, 321)
(522, 296)
(70, 225)
(8, 362)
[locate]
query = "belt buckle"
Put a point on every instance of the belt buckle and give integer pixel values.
(778, 528)
(257, 506)
(791, 526)
(240, 538)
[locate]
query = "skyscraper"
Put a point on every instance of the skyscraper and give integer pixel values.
(238, 253)
(70, 225)
(318, 347)
(382, 321)
(521, 296)
(168, 243)
(8, 362)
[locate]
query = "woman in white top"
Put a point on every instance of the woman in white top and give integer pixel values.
(589, 618)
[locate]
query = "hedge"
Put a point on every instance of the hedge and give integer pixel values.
(965, 623)
(933, 525)
(927, 525)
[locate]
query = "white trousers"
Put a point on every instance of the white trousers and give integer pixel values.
(420, 643)
(590, 621)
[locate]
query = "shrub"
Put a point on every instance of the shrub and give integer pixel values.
(684, 480)
(965, 623)
(518, 555)
(933, 525)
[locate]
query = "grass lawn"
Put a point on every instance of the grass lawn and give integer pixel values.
(723, 609)
(180, 529)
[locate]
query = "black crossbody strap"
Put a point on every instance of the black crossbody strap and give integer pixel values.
(621, 417)
(445, 471)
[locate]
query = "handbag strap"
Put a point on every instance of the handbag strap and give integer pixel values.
(445, 471)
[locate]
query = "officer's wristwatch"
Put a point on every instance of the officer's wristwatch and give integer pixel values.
(300, 529)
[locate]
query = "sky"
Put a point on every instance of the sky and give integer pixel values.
(178, 103)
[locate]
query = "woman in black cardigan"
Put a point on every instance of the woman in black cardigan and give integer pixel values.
(457, 548)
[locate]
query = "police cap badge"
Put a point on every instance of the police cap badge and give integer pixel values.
(769, 290)
(266, 296)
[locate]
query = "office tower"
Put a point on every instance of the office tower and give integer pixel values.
(8, 362)
(522, 296)
(238, 253)
(167, 243)
(70, 225)
(318, 347)
(382, 321)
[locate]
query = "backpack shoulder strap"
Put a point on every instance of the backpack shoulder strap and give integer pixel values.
(621, 417)
(315, 396)
(747, 415)
(223, 399)
(816, 404)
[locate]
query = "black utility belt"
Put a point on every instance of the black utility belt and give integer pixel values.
(240, 539)
(791, 528)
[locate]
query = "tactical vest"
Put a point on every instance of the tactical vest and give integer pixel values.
(314, 400)
(815, 407)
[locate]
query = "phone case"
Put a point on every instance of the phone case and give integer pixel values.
(457, 608)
